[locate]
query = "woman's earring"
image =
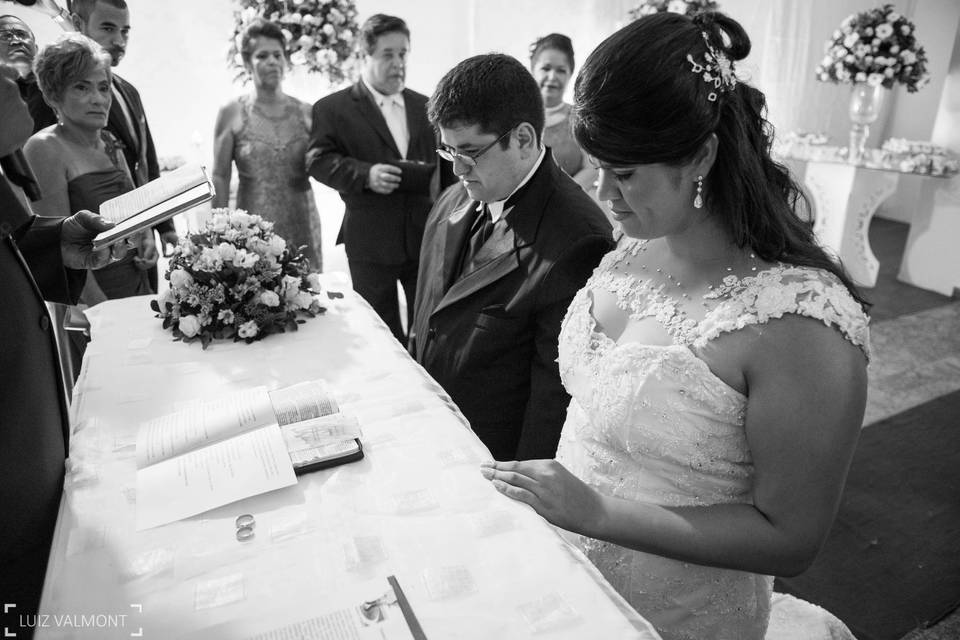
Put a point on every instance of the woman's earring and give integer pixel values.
(698, 200)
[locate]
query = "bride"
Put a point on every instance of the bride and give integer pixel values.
(716, 359)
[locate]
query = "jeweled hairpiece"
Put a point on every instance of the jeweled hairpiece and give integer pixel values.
(716, 69)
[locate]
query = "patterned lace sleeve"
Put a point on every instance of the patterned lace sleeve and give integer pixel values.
(785, 289)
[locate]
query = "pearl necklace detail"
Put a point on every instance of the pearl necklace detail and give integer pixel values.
(641, 246)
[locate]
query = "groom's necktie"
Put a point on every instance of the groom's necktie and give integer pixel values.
(480, 232)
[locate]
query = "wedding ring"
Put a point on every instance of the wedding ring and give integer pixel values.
(246, 520)
(244, 533)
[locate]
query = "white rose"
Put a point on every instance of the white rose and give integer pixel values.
(248, 329)
(908, 57)
(303, 300)
(860, 77)
(894, 49)
(164, 298)
(328, 29)
(293, 18)
(298, 58)
(287, 36)
(277, 246)
(851, 40)
(346, 35)
(270, 299)
(677, 6)
(875, 79)
(905, 30)
(180, 279)
(893, 16)
(227, 251)
(305, 42)
(313, 280)
(884, 31)
(189, 325)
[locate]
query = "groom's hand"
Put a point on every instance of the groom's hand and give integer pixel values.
(76, 242)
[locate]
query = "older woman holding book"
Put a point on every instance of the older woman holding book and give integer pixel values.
(78, 164)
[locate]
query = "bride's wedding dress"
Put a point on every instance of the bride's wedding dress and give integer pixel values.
(653, 423)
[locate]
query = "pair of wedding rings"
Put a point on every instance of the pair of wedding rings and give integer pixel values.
(245, 524)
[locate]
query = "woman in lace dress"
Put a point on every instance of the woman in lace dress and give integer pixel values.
(716, 359)
(266, 134)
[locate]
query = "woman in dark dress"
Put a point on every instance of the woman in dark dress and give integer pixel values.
(78, 165)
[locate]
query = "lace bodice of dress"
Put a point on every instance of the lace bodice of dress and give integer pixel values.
(653, 423)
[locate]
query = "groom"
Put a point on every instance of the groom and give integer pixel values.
(503, 254)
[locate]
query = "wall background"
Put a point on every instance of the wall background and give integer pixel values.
(177, 55)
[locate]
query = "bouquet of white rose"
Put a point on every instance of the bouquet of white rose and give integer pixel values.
(320, 33)
(878, 47)
(236, 279)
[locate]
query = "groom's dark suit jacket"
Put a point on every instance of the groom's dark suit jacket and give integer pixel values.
(489, 336)
(349, 135)
(33, 409)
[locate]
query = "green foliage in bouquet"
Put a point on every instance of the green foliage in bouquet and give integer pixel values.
(878, 47)
(320, 33)
(686, 7)
(236, 279)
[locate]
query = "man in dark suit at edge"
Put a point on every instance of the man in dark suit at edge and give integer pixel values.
(108, 23)
(503, 254)
(373, 144)
(40, 258)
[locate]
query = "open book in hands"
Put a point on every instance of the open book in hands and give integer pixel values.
(214, 452)
(154, 202)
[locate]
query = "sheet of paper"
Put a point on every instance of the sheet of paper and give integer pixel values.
(200, 423)
(246, 465)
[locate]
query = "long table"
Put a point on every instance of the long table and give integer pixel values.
(471, 563)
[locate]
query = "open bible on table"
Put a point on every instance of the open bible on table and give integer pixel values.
(216, 451)
(154, 202)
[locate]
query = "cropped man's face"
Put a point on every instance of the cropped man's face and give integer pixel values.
(386, 67)
(110, 28)
(18, 47)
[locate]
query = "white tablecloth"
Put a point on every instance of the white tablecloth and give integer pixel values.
(472, 563)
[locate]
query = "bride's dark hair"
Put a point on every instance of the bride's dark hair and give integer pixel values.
(637, 101)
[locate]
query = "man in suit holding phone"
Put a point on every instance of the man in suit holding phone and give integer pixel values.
(108, 23)
(373, 144)
(504, 252)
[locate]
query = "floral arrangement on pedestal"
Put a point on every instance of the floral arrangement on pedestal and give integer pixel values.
(236, 279)
(878, 47)
(686, 7)
(320, 33)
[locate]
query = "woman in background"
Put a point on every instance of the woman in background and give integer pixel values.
(77, 163)
(266, 133)
(551, 62)
(716, 359)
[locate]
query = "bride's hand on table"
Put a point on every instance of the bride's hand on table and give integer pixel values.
(556, 494)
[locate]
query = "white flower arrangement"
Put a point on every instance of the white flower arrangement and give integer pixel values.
(236, 279)
(878, 47)
(320, 34)
(686, 7)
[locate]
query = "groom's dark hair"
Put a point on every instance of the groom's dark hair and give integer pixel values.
(84, 8)
(494, 91)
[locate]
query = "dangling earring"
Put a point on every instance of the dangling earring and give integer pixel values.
(698, 200)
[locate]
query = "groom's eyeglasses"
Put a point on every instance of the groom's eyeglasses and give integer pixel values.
(470, 159)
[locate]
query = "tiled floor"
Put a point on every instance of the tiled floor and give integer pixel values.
(916, 354)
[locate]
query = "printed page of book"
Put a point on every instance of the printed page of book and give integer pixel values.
(202, 422)
(246, 465)
(303, 401)
(153, 193)
(153, 215)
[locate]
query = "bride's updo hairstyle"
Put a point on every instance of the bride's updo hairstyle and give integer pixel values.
(638, 100)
